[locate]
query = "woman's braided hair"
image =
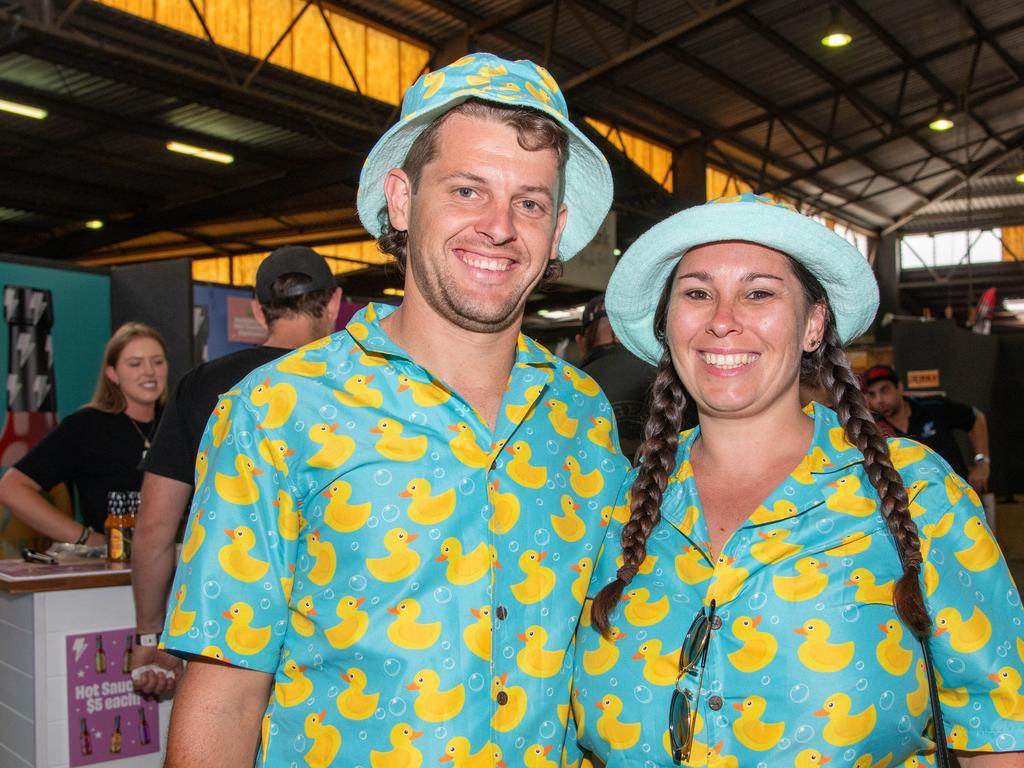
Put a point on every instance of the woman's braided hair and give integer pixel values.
(829, 364)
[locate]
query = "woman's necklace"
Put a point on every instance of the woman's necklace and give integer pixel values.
(143, 435)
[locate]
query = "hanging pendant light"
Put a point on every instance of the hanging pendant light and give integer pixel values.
(836, 35)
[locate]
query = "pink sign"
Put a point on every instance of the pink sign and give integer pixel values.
(107, 720)
(242, 326)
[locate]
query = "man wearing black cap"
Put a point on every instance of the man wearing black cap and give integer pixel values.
(625, 378)
(297, 300)
(930, 420)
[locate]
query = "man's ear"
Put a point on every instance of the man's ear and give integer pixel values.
(563, 215)
(257, 312)
(398, 193)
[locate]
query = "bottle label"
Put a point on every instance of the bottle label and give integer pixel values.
(115, 546)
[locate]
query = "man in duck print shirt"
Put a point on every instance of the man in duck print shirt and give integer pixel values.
(400, 578)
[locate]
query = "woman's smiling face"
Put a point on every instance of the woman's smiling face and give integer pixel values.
(737, 325)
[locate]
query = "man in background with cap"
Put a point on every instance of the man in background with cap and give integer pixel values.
(930, 420)
(624, 377)
(451, 491)
(297, 300)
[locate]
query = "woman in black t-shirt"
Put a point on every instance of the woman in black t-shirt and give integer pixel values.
(98, 448)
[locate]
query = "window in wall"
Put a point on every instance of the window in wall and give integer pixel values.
(948, 249)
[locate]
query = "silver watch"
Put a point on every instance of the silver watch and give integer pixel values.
(980, 458)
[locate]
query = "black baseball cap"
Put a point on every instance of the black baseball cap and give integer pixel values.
(593, 311)
(293, 259)
(880, 373)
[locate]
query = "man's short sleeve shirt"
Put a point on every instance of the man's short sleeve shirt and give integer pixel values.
(411, 579)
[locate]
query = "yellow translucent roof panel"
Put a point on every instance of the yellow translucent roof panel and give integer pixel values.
(653, 159)
(371, 61)
(241, 270)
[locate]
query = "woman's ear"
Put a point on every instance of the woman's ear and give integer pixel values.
(112, 376)
(814, 330)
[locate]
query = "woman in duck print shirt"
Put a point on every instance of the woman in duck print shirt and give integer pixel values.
(766, 600)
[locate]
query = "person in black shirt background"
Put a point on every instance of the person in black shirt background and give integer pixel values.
(930, 420)
(297, 300)
(97, 448)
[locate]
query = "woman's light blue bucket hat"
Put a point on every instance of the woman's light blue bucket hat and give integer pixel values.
(637, 282)
(588, 179)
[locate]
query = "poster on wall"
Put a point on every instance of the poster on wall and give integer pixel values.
(107, 720)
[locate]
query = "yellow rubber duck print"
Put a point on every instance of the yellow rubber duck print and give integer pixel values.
(586, 485)
(984, 552)
(196, 534)
(659, 668)
(354, 703)
(536, 755)
(506, 508)
(465, 447)
(326, 741)
(462, 568)
(564, 424)
(358, 392)
(241, 488)
(392, 445)
(432, 704)
(287, 582)
(843, 728)
(341, 515)
(837, 437)
(202, 466)
(903, 454)
(241, 637)
(300, 620)
(297, 688)
(477, 635)
(619, 735)
(509, 714)
(289, 517)
(569, 525)
(852, 544)
(894, 658)
(406, 632)
(773, 546)
(534, 659)
(867, 590)
(917, 699)
(758, 649)
(817, 653)
(424, 508)
(780, 510)
(403, 754)
(326, 561)
(353, 624)
(618, 513)
(751, 730)
(810, 582)
(846, 501)
(517, 412)
(966, 636)
(459, 752)
(581, 382)
(423, 394)
(280, 400)
(868, 761)
(584, 567)
(274, 452)
(181, 621)
(235, 559)
(639, 611)
(951, 697)
(601, 434)
(222, 422)
(603, 658)
(335, 449)
(297, 364)
(957, 739)
(956, 487)
(691, 566)
(539, 580)
(728, 580)
(1006, 697)
(715, 758)
(521, 470)
(214, 652)
(400, 562)
(810, 758)
(816, 461)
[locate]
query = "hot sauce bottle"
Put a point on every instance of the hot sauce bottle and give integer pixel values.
(84, 743)
(144, 737)
(101, 656)
(115, 737)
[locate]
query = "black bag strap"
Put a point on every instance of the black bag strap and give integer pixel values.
(941, 750)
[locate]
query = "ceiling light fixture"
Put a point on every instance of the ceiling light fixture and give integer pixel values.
(203, 154)
(1020, 177)
(94, 224)
(1016, 306)
(942, 121)
(22, 109)
(836, 35)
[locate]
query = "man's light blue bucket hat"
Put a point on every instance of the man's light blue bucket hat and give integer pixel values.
(588, 179)
(636, 285)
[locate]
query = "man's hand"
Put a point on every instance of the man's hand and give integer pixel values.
(978, 474)
(158, 682)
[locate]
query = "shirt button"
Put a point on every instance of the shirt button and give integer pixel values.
(502, 698)
(715, 702)
(716, 623)
(501, 613)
